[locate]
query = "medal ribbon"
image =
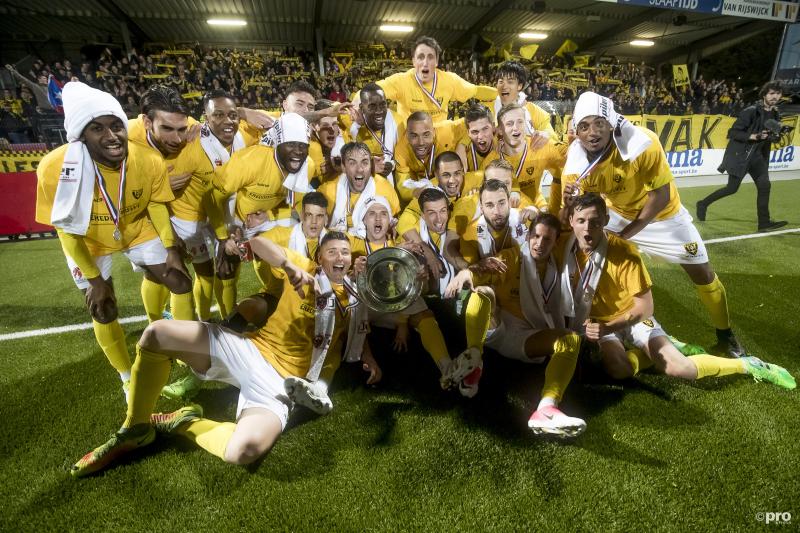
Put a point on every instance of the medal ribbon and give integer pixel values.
(588, 169)
(548, 291)
(385, 150)
(429, 167)
(101, 184)
(518, 170)
(432, 93)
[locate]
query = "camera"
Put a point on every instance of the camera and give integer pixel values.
(776, 130)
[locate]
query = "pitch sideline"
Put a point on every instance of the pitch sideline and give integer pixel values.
(142, 318)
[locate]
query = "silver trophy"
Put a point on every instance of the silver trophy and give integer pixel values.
(391, 282)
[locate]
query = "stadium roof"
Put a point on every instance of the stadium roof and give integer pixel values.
(599, 27)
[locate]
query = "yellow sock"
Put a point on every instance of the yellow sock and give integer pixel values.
(638, 360)
(209, 435)
(181, 306)
(711, 366)
(111, 339)
(716, 302)
(477, 316)
(154, 298)
(561, 366)
(433, 340)
(149, 375)
(226, 295)
(203, 291)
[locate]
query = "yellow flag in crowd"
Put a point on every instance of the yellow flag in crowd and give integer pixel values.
(568, 46)
(680, 75)
(581, 61)
(528, 51)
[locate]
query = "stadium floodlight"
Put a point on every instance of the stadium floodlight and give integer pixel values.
(396, 28)
(533, 36)
(226, 22)
(642, 42)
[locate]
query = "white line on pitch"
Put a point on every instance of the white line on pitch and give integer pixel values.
(142, 318)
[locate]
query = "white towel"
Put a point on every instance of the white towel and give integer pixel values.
(215, 151)
(359, 228)
(341, 208)
(449, 271)
(325, 321)
(291, 127)
(72, 204)
(577, 304)
(298, 241)
(630, 140)
(516, 231)
(82, 104)
(541, 302)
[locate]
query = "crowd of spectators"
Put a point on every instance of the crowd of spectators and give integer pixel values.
(259, 79)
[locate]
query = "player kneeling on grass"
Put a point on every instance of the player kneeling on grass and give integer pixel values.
(306, 331)
(609, 298)
(105, 195)
(526, 322)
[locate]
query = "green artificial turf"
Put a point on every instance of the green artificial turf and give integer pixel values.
(658, 453)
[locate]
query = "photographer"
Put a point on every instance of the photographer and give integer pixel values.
(748, 153)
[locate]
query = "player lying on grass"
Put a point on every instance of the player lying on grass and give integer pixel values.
(526, 322)
(610, 301)
(317, 310)
(106, 195)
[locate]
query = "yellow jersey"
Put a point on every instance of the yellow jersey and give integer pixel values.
(272, 279)
(476, 161)
(382, 188)
(528, 172)
(375, 139)
(506, 285)
(287, 339)
(360, 247)
(433, 97)
(412, 212)
(625, 184)
(470, 249)
(624, 276)
(145, 181)
(257, 179)
(446, 136)
(467, 210)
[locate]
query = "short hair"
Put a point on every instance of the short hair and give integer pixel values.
(492, 186)
(302, 86)
(431, 194)
(371, 87)
(418, 116)
(477, 112)
(512, 69)
(332, 236)
(322, 103)
(352, 146)
(428, 41)
(446, 157)
(773, 85)
(548, 219)
(315, 198)
(500, 164)
(163, 98)
(213, 94)
(586, 200)
(506, 109)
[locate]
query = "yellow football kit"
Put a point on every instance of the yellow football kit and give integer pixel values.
(528, 172)
(412, 212)
(382, 188)
(433, 97)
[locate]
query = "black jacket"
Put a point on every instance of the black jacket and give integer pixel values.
(741, 150)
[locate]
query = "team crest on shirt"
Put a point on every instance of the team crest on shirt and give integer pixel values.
(318, 339)
(322, 302)
(520, 229)
(617, 178)
(649, 323)
(137, 193)
(218, 162)
(529, 170)
(480, 229)
(76, 273)
(691, 248)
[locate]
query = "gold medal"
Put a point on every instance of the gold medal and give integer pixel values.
(117, 234)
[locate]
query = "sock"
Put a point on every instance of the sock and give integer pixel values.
(212, 436)
(715, 301)
(547, 401)
(433, 340)
(477, 316)
(111, 339)
(226, 295)
(181, 306)
(154, 298)
(638, 360)
(711, 366)
(203, 291)
(150, 374)
(561, 367)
